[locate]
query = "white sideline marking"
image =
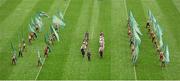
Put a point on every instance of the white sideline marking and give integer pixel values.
(45, 58)
(66, 7)
(135, 75)
(40, 69)
(126, 8)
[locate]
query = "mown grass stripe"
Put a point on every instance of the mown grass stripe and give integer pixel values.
(8, 29)
(74, 58)
(21, 63)
(7, 8)
(177, 4)
(164, 19)
(45, 58)
(100, 68)
(60, 57)
(134, 67)
(2, 2)
(147, 57)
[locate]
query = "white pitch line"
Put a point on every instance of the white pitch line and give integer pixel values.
(126, 8)
(135, 75)
(40, 69)
(66, 7)
(45, 58)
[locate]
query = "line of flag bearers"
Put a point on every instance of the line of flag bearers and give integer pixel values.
(35, 27)
(134, 33)
(155, 33)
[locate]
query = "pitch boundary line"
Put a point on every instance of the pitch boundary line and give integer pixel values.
(40, 69)
(45, 58)
(126, 8)
(135, 74)
(66, 7)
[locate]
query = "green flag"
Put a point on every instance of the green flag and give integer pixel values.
(39, 57)
(31, 28)
(137, 41)
(38, 22)
(12, 47)
(167, 54)
(135, 55)
(155, 27)
(159, 35)
(56, 20)
(154, 19)
(46, 38)
(150, 14)
(57, 36)
(134, 24)
(61, 15)
(43, 14)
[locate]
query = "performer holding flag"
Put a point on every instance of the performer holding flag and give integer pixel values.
(14, 58)
(40, 63)
(134, 38)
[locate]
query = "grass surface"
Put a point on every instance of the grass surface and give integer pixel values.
(94, 16)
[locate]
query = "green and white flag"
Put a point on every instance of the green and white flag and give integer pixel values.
(159, 35)
(38, 22)
(31, 28)
(57, 36)
(134, 24)
(12, 47)
(137, 41)
(61, 15)
(46, 38)
(167, 54)
(43, 14)
(150, 15)
(135, 55)
(56, 20)
(39, 57)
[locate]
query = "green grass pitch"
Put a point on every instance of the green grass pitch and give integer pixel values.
(110, 16)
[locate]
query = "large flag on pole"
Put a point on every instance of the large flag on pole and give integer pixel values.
(12, 47)
(57, 36)
(150, 15)
(42, 13)
(39, 57)
(137, 41)
(46, 38)
(62, 23)
(38, 22)
(30, 28)
(135, 55)
(60, 15)
(159, 35)
(134, 24)
(58, 21)
(167, 54)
